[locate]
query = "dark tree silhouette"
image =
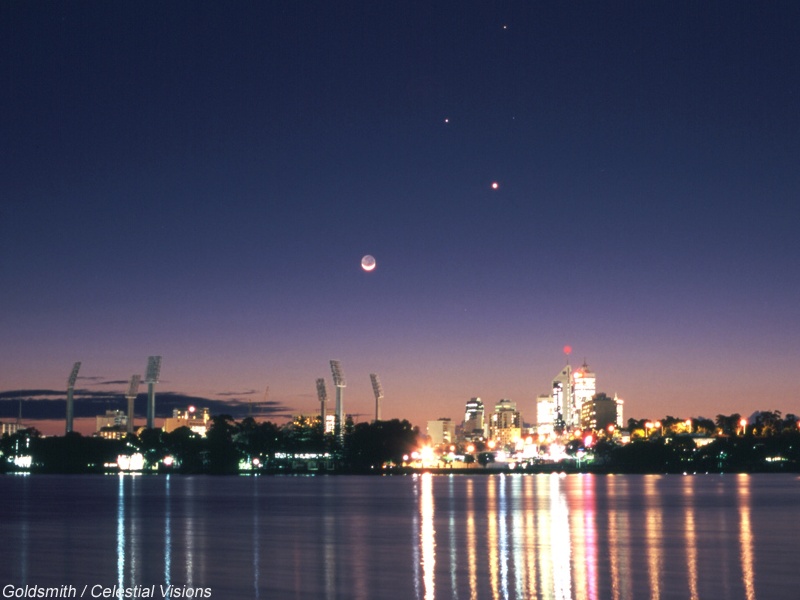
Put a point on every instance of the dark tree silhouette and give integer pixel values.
(370, 445)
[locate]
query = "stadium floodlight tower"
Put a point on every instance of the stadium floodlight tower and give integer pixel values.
(338, 381)
(73, 377)
(133, 391)
(153, 373)
(378, 391)
(322, 394)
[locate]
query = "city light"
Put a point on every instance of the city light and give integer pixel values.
(132, 462)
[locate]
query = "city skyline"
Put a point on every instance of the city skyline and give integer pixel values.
(201, 182)
(46, 409)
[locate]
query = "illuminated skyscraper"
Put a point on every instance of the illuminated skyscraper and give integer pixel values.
(620, 403)
(564, 400)
(474, 419)
(506, 423)
(598, 413)
(545, 414)
(571, 388)
(441, 431)
(583, 386)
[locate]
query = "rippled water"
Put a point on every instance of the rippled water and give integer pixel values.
(471, 537)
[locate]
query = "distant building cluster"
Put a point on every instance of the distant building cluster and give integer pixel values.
(573, 404)
(195, 420)
(9, 428)
(113, 425)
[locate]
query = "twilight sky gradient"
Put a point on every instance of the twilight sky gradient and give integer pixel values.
(200, 180)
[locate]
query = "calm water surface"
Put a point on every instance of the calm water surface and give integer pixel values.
(415, 537)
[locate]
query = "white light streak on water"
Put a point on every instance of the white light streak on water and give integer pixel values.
(472, 556)
(530, 539)
(746, 536)
(167, 533)
(491, 532)
(256, 540)
(653, 527)
(427, 535)
(517, 537)
(120, 532)
(416, 560)
(590, 536)
(560, 539)
(691, 538)
(189, 530)
(451, 530)
(504, 535)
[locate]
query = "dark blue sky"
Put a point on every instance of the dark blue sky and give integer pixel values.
(200, 180)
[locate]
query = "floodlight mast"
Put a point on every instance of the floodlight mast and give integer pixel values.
(339, 382)
(322, 394)
(133, 391)
(378, 391)
(73, 377)
(153, 373)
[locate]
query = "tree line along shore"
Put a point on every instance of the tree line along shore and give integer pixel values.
(392, 447)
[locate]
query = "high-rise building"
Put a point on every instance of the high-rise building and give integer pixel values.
(583, 385)
(10, 428)
(505, 425)
(198, 422)
(474, 426)
(545, 414)
(112, 418)
(112, 426)
(598, 413)
(619, 402)
(330, 422)
(565, 416)
(442, 431)
(571, 389)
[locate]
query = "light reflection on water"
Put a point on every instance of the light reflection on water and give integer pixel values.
(653, 529)
(426, 537)
(746, 536)
(691, 539)
(472, 540)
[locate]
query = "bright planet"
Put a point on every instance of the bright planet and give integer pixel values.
(368, 262)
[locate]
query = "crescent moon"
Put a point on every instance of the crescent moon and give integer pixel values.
(368, 263)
